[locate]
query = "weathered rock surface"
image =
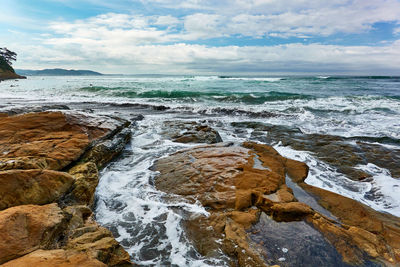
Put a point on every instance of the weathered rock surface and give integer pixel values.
(34, 149)
(238, 183)
(24, 229)
(55, 258)
(345, 154)
(19, 187)
(191, 132)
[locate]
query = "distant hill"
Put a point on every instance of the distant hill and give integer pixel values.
(57, 72)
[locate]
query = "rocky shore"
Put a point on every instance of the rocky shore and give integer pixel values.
(254, 204)
(260, 210)
(49, 164)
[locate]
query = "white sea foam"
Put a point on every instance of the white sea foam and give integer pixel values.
(147, 221)
(260, 79)
(382, 193)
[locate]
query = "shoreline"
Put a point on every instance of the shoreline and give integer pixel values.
(260, 133)
(48, 178)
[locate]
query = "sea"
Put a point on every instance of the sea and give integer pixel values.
(346, 128)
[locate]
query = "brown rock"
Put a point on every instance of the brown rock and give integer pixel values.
(223, 177)
(86, 180)
(53, 138)
(42, 135)
(297, 170)
(287, 212)
(191, 132)
(246, 219)
(205, 173)
(26, 228)
(367, 230)
(55, 258)
(99, 243)
(19, 187)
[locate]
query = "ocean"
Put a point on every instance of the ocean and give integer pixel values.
(347, 130)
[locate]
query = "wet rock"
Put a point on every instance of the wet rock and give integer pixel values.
(288, 212)
(86, 180)
(47, 135)
(376, 234)
(191, 132)
(26, 228)
(345, 154)
(34, 148)
(224, 179)
(55, 258)
(235, 188)
(19, 187)
(104, 151)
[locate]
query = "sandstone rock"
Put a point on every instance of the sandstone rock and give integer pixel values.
(292, 211)
(32, 147)
(42, 135)
(52, 140)
(86, 180)
(224, 177)
(55, 258)
(366, 230)
(345, 154)
(19, 187)
(26, 228)
(100, 244)
(191, 132)
(202, 173)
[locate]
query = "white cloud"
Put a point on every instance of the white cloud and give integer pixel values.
(120, 57)
(137, 43)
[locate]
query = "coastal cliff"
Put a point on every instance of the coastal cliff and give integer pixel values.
(49, 165)
(7, 72)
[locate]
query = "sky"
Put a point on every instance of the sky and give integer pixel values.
(265, 37)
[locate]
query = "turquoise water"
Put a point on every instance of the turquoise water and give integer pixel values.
(345, 106)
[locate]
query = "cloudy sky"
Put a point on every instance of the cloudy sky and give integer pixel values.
(205, 36)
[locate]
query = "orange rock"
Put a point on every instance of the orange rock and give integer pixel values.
(26, 228)
(292, 211)
(19, 187)
(246, 219)
(222, 178)
(297, 170)
(55, 258)
(376, 234)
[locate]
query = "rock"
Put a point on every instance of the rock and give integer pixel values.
(86, 180)
(19, 187)
(52, 140)
(191, 132)
(105, 151)
(345, 154)
(99, 243)
(287, 212)
(236, 183)
(24, 163)
(26, 228)
(205, 173)
(374, 233)
(226, 180)
(42, 135)
(55, 258)
(34, 148)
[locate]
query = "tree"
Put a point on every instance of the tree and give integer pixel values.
(8, 55)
